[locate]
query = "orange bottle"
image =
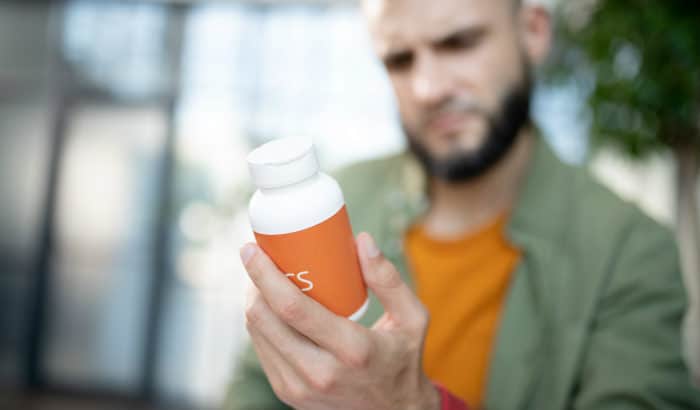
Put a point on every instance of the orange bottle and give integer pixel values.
(299, 219)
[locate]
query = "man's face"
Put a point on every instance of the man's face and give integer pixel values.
(461, 76)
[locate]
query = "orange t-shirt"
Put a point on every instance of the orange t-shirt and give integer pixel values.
(463, 283)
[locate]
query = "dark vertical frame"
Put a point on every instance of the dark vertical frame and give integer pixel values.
(161, 266)
(60, 106)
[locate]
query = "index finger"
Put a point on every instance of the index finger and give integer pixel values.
(341, 337)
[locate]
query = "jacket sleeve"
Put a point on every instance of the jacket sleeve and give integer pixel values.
(634, 360)
(249, 388)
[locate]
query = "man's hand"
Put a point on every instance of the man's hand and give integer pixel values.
(315, 359)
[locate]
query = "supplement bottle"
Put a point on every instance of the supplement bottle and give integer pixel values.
(299, 219)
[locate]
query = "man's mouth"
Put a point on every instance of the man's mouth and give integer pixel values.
(447, 123)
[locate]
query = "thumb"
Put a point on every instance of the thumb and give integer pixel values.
(385, 281)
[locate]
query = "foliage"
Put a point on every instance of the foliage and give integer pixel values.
(640, 60)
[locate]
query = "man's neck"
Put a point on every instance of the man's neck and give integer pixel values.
(457, 209)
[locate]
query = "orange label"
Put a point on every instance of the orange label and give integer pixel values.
(322, 262)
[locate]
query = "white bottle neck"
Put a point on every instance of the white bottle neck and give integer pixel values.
(285, 188)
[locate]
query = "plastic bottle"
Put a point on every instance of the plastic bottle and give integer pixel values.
(299, 219)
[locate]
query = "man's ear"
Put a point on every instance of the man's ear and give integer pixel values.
(536, 32)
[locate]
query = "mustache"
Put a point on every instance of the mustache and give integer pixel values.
(455, 105)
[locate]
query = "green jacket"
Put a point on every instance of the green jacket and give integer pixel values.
(593, 315)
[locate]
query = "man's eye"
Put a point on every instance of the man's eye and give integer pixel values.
(462, 41)
(399, 62)
(459, 43)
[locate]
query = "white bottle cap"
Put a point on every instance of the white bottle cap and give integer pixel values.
(282, 162)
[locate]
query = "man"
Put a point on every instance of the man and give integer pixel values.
(543, 290)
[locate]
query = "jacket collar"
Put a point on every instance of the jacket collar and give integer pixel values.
(540, 207)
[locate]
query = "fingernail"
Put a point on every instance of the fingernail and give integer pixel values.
(371, 249)
(247, 252)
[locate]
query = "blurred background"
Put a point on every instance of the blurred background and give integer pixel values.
(124, 127)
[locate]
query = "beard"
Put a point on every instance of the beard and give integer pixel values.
(503, 128)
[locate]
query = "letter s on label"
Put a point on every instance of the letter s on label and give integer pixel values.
(298, 277)
(310, 285)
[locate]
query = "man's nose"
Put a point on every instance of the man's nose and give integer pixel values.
(431, 84)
